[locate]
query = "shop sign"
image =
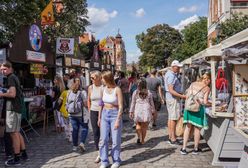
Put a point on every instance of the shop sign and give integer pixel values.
(36, 69)
(59, 61)
(96, 64)
(35, 37)
(35, 56)
(65, 46)
(2, 55)
(75, 62)
(82, 63)
(67, 61)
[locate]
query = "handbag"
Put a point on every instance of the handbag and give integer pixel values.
(191, 104)
(221, 81)
(180, 127)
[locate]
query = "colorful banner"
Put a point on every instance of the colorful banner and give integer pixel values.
(47, 17)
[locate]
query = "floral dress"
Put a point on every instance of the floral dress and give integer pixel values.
(142, 108)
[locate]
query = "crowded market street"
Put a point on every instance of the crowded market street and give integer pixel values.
(53, 151)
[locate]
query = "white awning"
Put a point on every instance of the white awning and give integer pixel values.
(238, 38)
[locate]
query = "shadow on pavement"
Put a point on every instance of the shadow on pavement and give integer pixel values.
(149, 154)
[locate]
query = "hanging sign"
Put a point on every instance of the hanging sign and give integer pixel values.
(65, 46)
(35, 56)
(47, 17)
(76, 62)
(67, 61)
(35, 37)
(82, 63)
(36, 69)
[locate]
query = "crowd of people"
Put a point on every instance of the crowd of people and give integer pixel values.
(104, 102)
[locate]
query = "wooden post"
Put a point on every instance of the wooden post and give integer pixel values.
(213, 88)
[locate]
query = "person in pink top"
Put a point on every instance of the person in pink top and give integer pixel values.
(142, 109)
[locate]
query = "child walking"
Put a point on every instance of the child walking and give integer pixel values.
(142, 109)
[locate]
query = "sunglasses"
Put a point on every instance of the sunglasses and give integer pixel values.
(92, 78)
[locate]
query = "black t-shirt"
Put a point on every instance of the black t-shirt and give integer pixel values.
(14, 104)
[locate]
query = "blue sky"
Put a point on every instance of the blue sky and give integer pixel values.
(133, 17)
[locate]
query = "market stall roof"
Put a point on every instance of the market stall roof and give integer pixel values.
(234, 48)
(239, 38)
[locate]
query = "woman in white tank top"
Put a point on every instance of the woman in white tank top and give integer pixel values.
(94, 97)
(110, 120)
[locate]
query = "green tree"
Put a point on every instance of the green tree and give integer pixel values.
(235, 24)
(14, 14)
(71, 22)
(194, 40)
(156, 43)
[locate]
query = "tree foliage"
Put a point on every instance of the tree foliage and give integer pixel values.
(235, 24)
(194, 40)
(14, 14)
(71, 22)
(157, 43)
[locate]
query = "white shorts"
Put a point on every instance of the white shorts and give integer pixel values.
(173, 108)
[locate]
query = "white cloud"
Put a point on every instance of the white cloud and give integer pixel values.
(140, 13)
(99, 17)
(133, 56)
(188, 9)
(186, 22)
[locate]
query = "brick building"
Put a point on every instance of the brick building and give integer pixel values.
(114, 51)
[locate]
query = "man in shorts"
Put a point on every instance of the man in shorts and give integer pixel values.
(173, 96)
(13, 98)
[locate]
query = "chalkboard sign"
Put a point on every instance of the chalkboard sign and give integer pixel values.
(240, 80)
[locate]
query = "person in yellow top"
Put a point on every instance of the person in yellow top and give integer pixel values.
(65, 114)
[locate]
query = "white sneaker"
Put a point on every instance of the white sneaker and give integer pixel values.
(104, 166)
(98, 159)
(82, 148)
(74, 148)
(115, 165)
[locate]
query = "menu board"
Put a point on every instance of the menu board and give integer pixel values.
(240, 80)
(36, 108)
(241, 111)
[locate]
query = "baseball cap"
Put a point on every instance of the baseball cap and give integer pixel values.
(176, 63)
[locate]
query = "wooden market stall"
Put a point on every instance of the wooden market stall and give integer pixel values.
(223, 136)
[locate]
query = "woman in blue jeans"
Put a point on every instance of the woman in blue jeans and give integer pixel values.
(74, 105)
(110, 121)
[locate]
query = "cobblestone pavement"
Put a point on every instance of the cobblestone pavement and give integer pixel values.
(53, 151)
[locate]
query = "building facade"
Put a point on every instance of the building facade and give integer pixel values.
(221, 10)
(114, 51)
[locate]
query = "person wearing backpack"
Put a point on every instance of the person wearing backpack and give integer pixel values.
(75, 102)
(194, 112)
(142, 109)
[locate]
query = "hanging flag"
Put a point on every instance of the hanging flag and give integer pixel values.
(47, 17)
